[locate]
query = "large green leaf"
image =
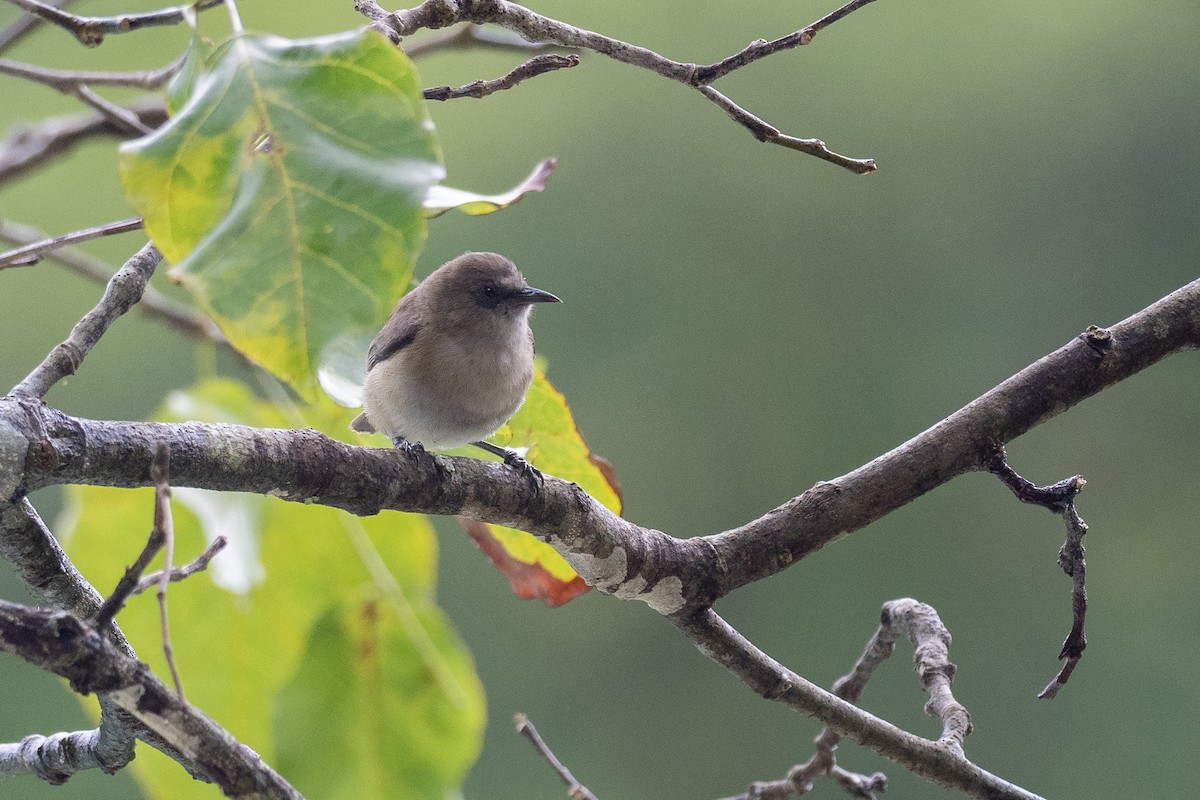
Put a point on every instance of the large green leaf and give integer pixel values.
(288, 192)
(363, 699)
(255, 635)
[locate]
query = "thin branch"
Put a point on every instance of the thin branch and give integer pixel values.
(153, 304)
(132, 575)
(26, 24)
(30, 254)
(122, 292)
(90, 31)
(1054, 497)
(59, 643)
(67, 80)
(1060, 499)
(762, 48)
(768, 133)
(165, 524)
(922, 626)
(575, 789)
(771, 680)
(534, 27)
(119, 115)
(198, 564)
(30, 147)
(535, 66)
(1070, 558)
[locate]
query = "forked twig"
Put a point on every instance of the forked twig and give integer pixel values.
(90, 31)
(534, 27)
(1059, 498)
(547, 62)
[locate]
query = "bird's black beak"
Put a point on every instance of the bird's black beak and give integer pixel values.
(532, 295)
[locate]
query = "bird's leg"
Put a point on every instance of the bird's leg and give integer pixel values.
(529, 471)
(413, 450)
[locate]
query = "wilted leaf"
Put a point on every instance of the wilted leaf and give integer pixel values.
(288, 192)
(440, 199)
(545, 429)
(249, 633)
(530, 571)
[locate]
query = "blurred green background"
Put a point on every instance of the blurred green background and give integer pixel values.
(741, 321)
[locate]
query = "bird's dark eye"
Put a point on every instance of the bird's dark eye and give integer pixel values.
(488, 294)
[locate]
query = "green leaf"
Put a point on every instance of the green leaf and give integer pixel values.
(249, 633)
(362, 696)
(183, 83)
(288, 192)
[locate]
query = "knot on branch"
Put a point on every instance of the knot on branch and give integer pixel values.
(1097, 338)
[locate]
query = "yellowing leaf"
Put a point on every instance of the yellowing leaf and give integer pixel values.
(546, 431)
(288, 192)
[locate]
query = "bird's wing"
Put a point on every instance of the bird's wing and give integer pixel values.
(397, 334)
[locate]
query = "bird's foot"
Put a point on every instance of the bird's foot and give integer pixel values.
(413, 450)
(514, 461)
(527, 470)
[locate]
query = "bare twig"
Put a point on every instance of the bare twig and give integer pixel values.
(90, 31)
(921, 625)
(765, 132)
(575, 789)
(133, 573)
(164, 522)
(26, 24)
(537, 65)
(29, 147)
(1060, 499)
(935, 760)
(119, 115)
(67, 80)
(54, 758)
(762, 48)
(162, 537)
(1055, 497)
(153, 303)
(30, 254)
(122, 292)
(78, 85)
(198, 564)
(537, 28)
(1070, 558)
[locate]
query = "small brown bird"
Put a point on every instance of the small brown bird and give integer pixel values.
(454, 361)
